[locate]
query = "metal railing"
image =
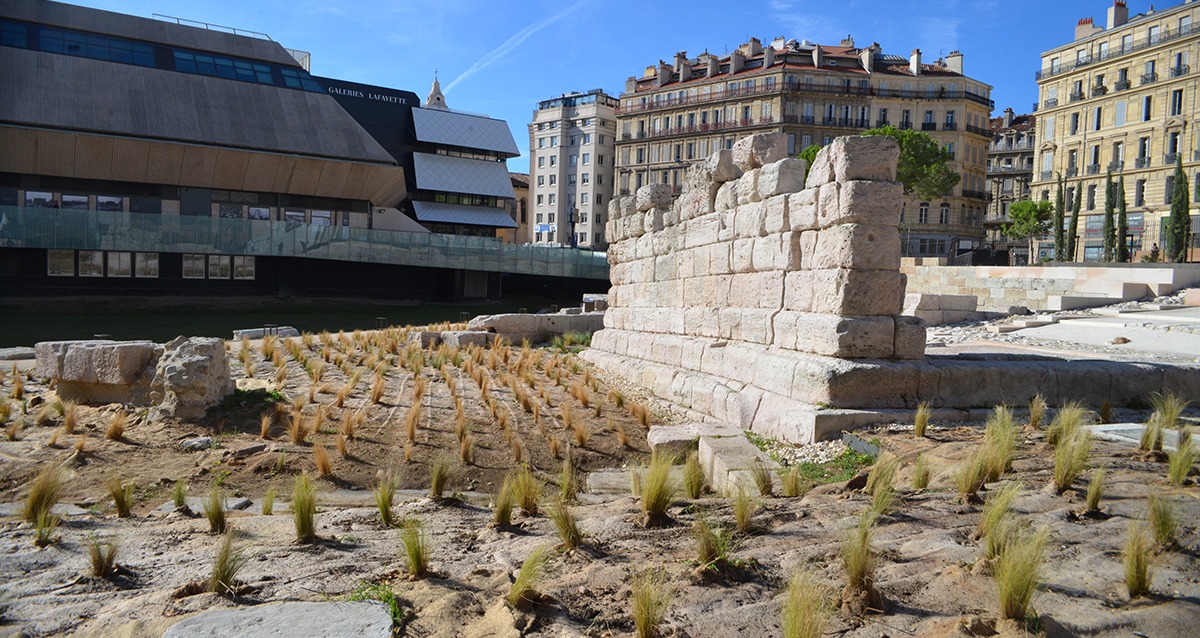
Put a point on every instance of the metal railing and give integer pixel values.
(929, 126)
(1141, 162)
(67, 229)
(1093, 169)
(1116, 165)
(1076, 96)
(1148, 78)
(1139, 45)
(1179, 71)
(1121, 85)
(1050, 103)
(1169, 158)
(1010, 169)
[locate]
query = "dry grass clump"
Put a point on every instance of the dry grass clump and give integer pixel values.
(441, 473)
(566, 525)
(881, 482)
(1037, 411)
(658, 490)
(116, 426)
(122, 496)
(523, 589)
(322, 461)
(226, 565)
(1068, 420)
(568, 482)
(179, 494)
(995, 508)
(1152, 435)
(999, 443)
(102, 554)
(298, 428)
(693, 476)
(416, 548)
(304, 508)
(764, 478)
(858, 556)
(342, 446)
(502, 512)
(1070, 458)
(921, 418)
(268, 500)
(214, 510)
(1017, 571)
(1180, 462)
(527, 490)
(12, 431)
(264, 426)
(44, 492)
(1138, 555)
(651, 596)
(744, 507)
(1095, 491)
(385, 492)
(794, 483)
(806, 610)
(1160, 516)
(1168, 408)
(920, 476)
(377, 387)
(713, 543)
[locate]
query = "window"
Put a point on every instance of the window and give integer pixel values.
(552, 200)
(321, 217)
(587, 138)
(541, 142)
(541, 162)
(91, 263)
(923, 213)
(1119, 114)
(1177, 102)
(929, 117)
(599, 198)
(1154, 33)
(120, 264)
(1091, 197)
(554, 160)
(1048, 128)
(193, 266)
(1098, 117)
(583, 201)
(583, 238)
(573, 160)
(587, 159)
(218, 267)
(1126, 43)
(61, 263)
(1173, 143)
(541, 180)
(1143, 148)
(1139, 193)
(553, 141)
(539, 203)
(1074, 124)
(145, 265)
(944, 213)
(243, 267)
(1147, 106)
(553, 179)
(585, 178)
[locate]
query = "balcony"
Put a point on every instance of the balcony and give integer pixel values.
(1116, 166)
(1099, 90)
(904, 126)
(880, 123)
(1179, 71)
(1076, 96)
(950, 126)
(1010, 169)
(1050, 103)
(828, 121)
(1092, 169)
(929, 126)
(807, 119)
(1170, 158)
(1148, 78)
(1141, 162)
(1121, 85)
(1046, 176)
(974, 195)
(1140, 45)
(1072, 171)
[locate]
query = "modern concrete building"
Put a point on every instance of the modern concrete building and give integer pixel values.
(571, 163)
(1010, 172)
(1121, 98)
(680, 112)
(143, 156)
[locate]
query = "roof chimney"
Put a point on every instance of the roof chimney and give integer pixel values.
(713, 67)
(818, 56)
(753, 47)
(683, 67)
(663, 75)
(768, 57)
(1118, 14)
(847, 42)
(1008, 117)
(914, 62)
(954, 62)
(736, 60)
(1085, 28)
(867, 57)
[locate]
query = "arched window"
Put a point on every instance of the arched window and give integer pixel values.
(944, 214)
(923, 213)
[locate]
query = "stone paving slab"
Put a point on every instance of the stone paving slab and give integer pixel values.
(1131, 434)
(61, 509)
(289, 620)
(684, 437)
(727, 462)
(17, 354)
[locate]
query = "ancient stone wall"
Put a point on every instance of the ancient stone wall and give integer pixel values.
(753, 251)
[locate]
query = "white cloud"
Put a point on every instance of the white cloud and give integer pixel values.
(491, 57)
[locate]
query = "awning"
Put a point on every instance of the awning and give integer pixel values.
(461, 214)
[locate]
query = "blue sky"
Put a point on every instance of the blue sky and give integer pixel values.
(501, 58)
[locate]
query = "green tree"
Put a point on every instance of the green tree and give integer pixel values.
(1073, 232)
(1110, 228)
(1026, 220)
(1060, 230)
(809, 154)
(1180, 221)
(922, 168)
(1122, 223)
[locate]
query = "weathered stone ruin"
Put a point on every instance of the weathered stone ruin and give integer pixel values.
(765, 294)
(181, 379)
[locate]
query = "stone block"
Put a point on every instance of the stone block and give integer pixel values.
(697, 201)
(821, 171)
(859, 247)
(808, 248)
(775, 215)
(654, 196)
(1191, 297)
(782, 177)
(652, 220)
(748, 220)
(857, 292)
(721, 167)
(123, 363)
(760, 149)
(910, 338)
(798, 291)
(726, 459)
(191, 376)
(727, 197)
(802, 210)
(425, 338)
(747, 189)
(464, 338)
(742, 255)
(276, 620)
(834, 336)
(870, 157)
(829, 197)
(865, 202)
(681, 438)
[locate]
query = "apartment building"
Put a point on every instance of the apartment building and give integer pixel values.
(679, 113)
(1009, 173)
(1122, 99)
(571, 153)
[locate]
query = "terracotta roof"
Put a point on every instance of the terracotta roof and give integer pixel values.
(1020, 124)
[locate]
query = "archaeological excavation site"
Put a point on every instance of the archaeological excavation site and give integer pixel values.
(771, 424)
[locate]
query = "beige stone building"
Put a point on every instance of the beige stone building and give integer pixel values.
(1121, 98)
(1010, 172)
(679, 113)
(518, 209)
(571, 140)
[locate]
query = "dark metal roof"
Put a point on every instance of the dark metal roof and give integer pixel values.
(79, 94)
(146, 29)
(461, 214)
(464, 130)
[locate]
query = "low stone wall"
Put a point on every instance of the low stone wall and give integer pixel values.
(537, 328)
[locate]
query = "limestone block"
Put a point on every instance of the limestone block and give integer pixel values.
(872, 157)
(726, 196)
(191, 376)
(610, 231)
(747, 189)
(802, 210)
(703, 231)
(742, 256)
(726, 224)
(760, 149)
(829, 197)
(858, 246)
(767, 254)
(782, 177)
(865, 202)
(635, 226)
(798, 290)
(464, 338)
(774, 373)
(671, 215)
(748, 220)
(910, 338)
(615, 210)
(791, 255)
(679, 438)
(719, 259)
(77, 365)
(654, 196)
(775, 215)
(123, 363)
(652, 221)
(721, 166)
(697, 201)
(857, 292)
(425, 338)
(821, 171)
(329, 619)
(834, 336)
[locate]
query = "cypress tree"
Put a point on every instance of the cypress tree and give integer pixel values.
(1110, 228)
(1122, 223)
(1060, 239)
(1181, 221)
(1073, 233)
